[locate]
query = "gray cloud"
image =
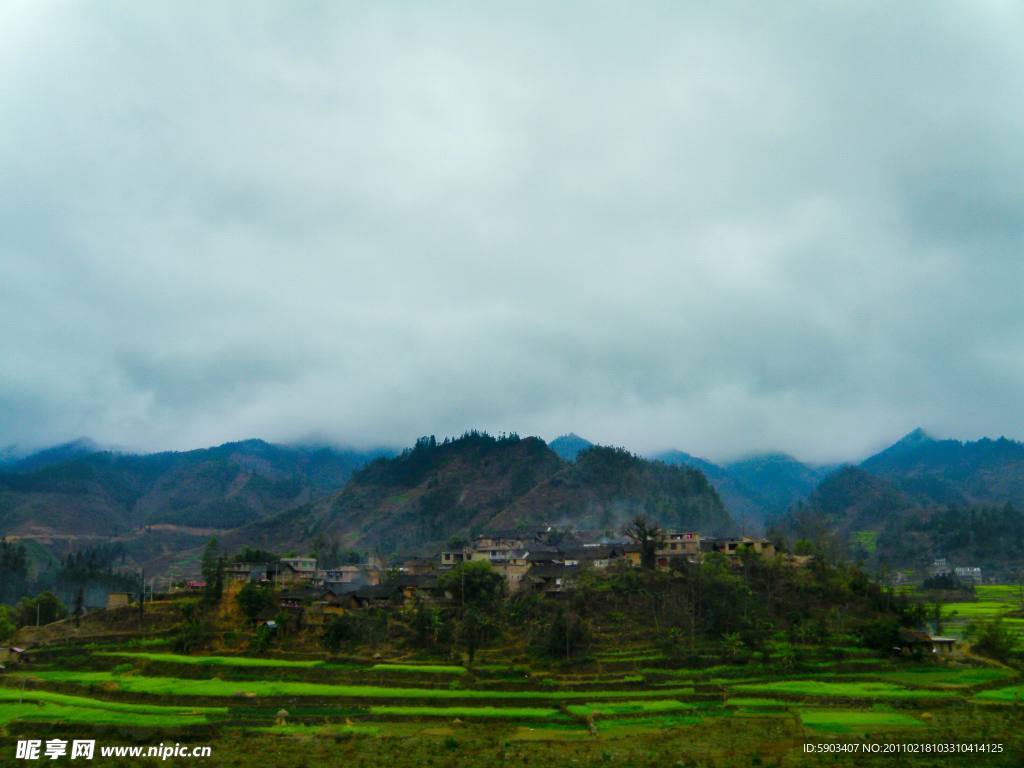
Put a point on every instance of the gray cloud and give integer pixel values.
(714, 227)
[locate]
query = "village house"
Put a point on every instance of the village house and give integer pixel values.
(969, 575)
(298, 568)
(350, 574)
(497, 547)
(678, 544)
(512, 568)
(597, 556)
(417, 566)
(939, 567)
(118, 600)
(422, 586)
(297, 599)
(243, 572)
(452, 557)
(325, 607)
(377, 596)
(914, 641)
(550, 579)
(732, 547)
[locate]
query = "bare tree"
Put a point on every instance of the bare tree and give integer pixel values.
(649, 536)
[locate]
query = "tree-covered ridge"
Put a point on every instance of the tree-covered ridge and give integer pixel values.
(854, 514)
(476, 483)
(946, 472)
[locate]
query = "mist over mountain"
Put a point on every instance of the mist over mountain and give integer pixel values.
(758, 488)
(777, 479)
(12, 459)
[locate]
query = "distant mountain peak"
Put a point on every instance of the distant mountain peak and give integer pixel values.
(916, 437)
(569, 446)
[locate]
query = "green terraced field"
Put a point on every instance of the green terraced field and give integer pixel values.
(432, 669)
(629, 708)
(855, 720)
(48, 706)
(548, 708)
(173, 686)
(55, 713)
(1011, 695)
(863, 689)
(628, 725)
(226, 661)
(503, 713)
(9, 695)
(943, 676)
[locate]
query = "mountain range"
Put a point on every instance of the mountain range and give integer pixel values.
(161, 507)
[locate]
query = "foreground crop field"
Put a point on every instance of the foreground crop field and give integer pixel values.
(626, 708)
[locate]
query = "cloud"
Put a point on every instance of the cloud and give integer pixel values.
(718, 228)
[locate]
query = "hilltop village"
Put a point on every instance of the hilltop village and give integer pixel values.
(544, 561)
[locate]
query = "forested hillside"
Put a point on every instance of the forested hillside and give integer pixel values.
(455, 488)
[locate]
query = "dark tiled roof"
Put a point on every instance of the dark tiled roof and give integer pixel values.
(420, 581)
(552, 571)
(376, 592)
(300, 594)
(602, 552)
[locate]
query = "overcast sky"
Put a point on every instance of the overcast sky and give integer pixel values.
(717, 227)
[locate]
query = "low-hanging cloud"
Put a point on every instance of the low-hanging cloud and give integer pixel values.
(718, 227)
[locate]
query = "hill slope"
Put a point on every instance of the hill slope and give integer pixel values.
(477, 483)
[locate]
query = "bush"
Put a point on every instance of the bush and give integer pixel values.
(43, 609)
(995, 640)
